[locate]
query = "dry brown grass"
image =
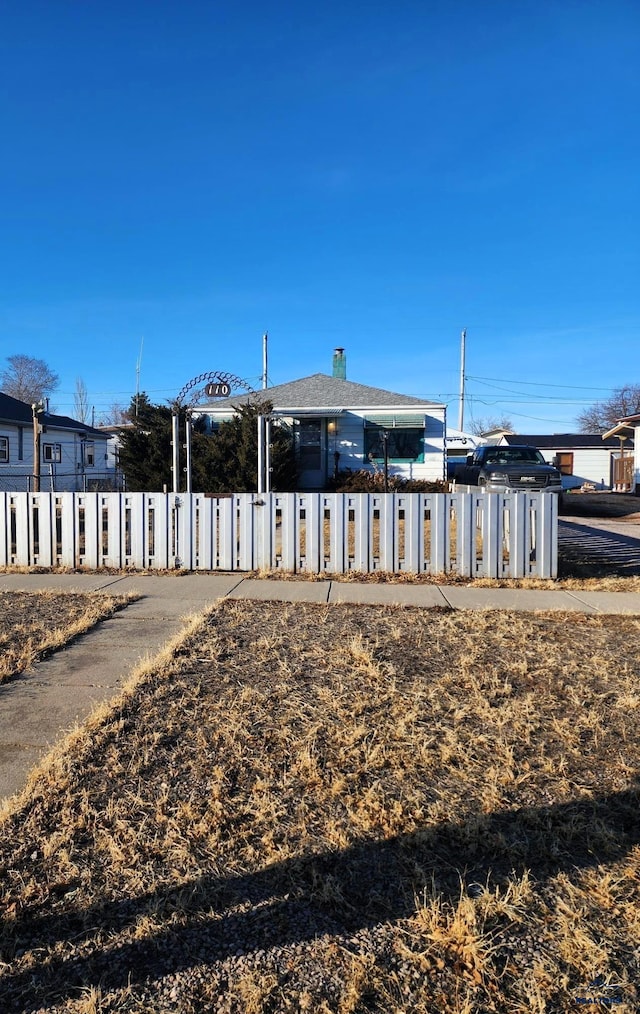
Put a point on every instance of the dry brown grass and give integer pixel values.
(610, 583)
(33, 624)
(340, 809)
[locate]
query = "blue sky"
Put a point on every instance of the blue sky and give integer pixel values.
(374, 176)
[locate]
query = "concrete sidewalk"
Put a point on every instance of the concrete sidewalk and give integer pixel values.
(48, 699)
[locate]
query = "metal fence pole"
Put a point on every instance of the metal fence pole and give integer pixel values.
(175, 448)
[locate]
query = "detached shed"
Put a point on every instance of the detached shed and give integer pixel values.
(581, 457)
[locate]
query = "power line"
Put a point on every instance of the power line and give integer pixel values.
(549, 398)
(521, 415)
(539, 383)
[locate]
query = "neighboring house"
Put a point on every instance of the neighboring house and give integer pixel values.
(338, 424)
(73, 456)
(114, 433)
(627, 469)
(493, 436)
(459, 445)
(581, 457)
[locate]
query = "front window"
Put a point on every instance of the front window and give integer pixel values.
(51, 452)
(89, 453)
(402, 444)
(4, 450)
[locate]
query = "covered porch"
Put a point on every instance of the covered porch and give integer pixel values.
(626, 467)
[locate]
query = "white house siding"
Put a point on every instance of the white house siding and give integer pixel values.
(590, 464)
(67, 475)
(19, 448)
(348, 440)
(350, 443)
(343, 406)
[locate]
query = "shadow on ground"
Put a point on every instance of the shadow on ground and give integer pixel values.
(600, 505)
(588, 551)
(302, 898)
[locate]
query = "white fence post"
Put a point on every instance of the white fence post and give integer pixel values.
(226, 532)
(21, 505)
(245, 531)
(387, 507)
(312, 531)
(519, 535)
(286, 504)
(546, 548)
(69, 528)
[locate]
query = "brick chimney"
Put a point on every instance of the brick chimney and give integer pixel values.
(339, 364)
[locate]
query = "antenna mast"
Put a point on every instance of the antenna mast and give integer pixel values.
(463, 338)
(138, 365)
(265, 339)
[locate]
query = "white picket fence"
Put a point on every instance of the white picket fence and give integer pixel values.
(470, 534)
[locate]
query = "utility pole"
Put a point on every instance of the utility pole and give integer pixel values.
(463, 338)
(36, 408)
(265, 339)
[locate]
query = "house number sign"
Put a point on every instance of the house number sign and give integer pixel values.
(220, 390)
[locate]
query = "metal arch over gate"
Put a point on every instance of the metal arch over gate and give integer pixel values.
(228, 382)
(217, 384)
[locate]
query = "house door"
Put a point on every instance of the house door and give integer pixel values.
(564, 462)
(311, 452)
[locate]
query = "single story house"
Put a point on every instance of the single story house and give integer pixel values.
(73, 456)
(581, 457)
(338, 424)
(627, 470)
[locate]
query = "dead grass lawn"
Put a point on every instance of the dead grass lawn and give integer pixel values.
(33, 624)
(341, 809)
(610, 583)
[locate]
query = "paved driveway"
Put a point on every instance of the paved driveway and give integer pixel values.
(608, 545)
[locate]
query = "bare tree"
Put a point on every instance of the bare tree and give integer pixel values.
(482, 426)
(115, 415)
(603, 415)
(28, 379)
(81, 401)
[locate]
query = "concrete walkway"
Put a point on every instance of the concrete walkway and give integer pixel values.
(36, 707)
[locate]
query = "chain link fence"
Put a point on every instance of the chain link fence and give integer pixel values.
(64, 482)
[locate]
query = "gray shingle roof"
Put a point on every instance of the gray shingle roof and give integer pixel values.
(18, 412)
(322, 391)
(559, 441)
